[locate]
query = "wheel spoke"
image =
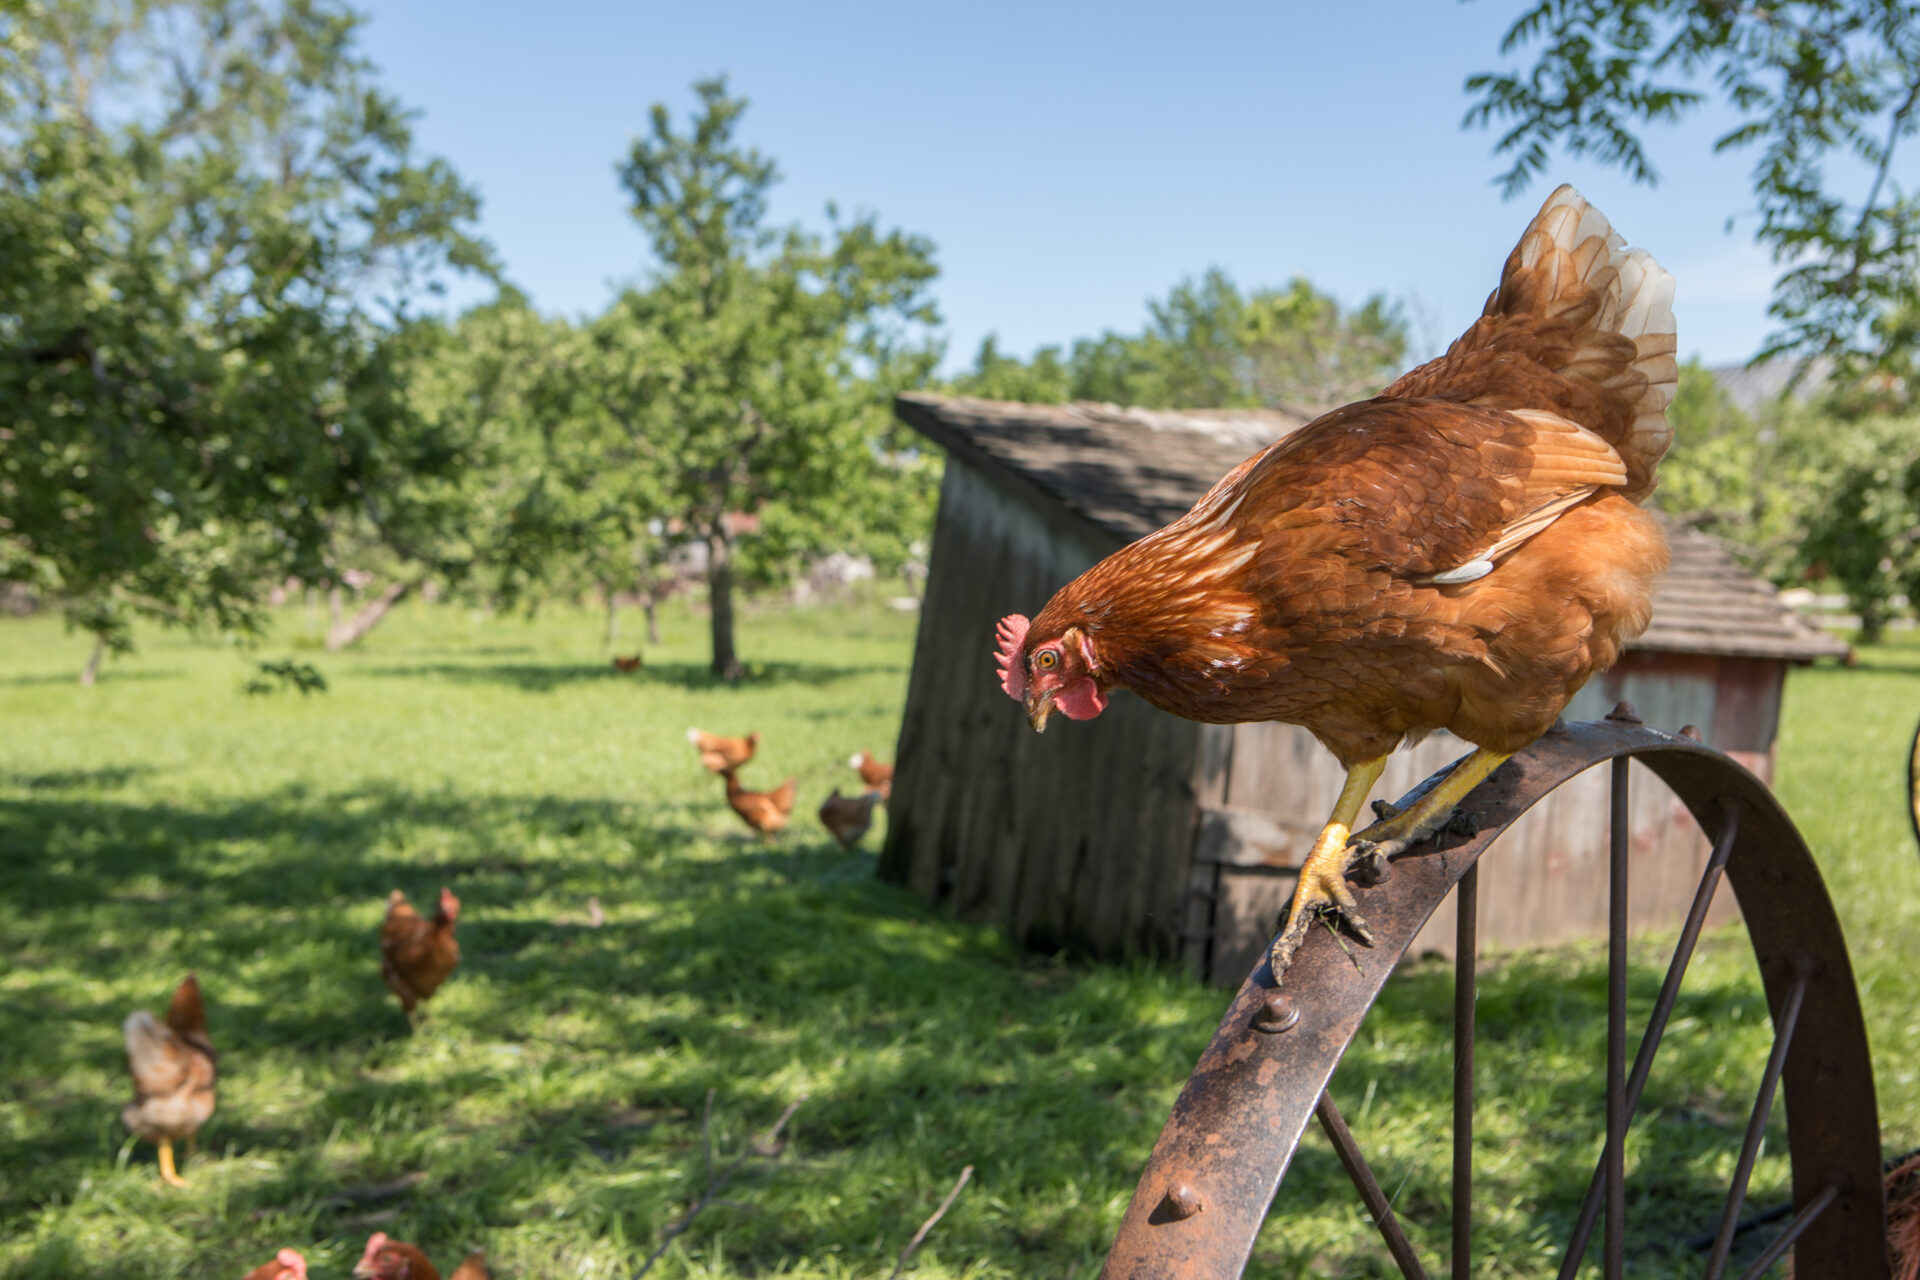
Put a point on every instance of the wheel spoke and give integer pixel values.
(1757, 1122)
(1369, 1188)
(1465, 959)
(1657, 1024)
(1616, 1152)
(1784, 1241)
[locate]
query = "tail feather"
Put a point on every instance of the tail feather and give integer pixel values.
(155, 1057)
(1581, 326)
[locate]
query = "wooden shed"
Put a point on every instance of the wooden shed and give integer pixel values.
(1145, 833)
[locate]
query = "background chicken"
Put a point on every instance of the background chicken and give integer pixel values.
(632, 663)
(764, 811)
(876, 776)
(720, 754)
(1461, 552)
(416, 954)
(173, 1068)
(389, 1259)
(848, 817)
(288, 1264)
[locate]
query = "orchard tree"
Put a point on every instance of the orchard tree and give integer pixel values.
(752, 373)
(1208, 345)
(212, 221)
(1822, 88)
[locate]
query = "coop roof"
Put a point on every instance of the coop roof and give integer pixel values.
(1125, 472)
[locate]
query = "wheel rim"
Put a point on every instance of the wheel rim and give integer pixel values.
(1233, 1131)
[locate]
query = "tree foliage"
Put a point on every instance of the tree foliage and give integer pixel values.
(750, 375)
(1208, 345)
(1825, 91)
(212, 221)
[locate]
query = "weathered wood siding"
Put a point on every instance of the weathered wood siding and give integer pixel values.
(1546, 879)
(1077, 838)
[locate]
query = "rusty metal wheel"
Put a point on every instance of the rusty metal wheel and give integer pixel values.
(1913, 784)
(1220, 1160)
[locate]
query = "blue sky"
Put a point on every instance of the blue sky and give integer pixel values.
(1069, 161)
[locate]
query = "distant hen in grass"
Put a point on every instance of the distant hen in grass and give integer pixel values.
(418, 954)
(173, 1066)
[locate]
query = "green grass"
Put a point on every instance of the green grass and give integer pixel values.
(552, 1109)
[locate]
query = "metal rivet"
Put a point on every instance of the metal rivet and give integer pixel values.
(1691, 732)
(1181, 1202)
(1624, 713)
(1276, 1013)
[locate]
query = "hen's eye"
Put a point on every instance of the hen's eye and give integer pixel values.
(1047, 659)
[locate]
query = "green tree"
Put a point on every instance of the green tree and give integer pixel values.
(1864, 533)
(1820, 87)
(212, 221)
(1207, 345)
(754, 370)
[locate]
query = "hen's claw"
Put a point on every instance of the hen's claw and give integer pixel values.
(1322, 892)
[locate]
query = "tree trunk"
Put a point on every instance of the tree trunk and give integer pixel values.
(342, 634)
(720, 603)
(90, 672)
(313, 612)
(650, 605)
(334, 608)
(613, 620)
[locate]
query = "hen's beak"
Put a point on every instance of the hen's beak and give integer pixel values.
(1039, 707)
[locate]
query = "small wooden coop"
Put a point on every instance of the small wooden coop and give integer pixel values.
(1145, 833)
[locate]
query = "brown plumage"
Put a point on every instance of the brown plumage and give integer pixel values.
(417, 954)
(474, 1267)
(720, 754)
(389, 1259)
(1463, 551)
(876, 776)
(626, 664)
(1903, 1217)
(848, 817)
(764, 811)
(173, 1067)
(288, 1264)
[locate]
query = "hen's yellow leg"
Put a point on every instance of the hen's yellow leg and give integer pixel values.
(1406, 827)
(168, 1174)
(1323, 879)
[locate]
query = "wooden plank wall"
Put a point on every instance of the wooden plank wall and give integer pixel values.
(1545, 881)
(1078, 838)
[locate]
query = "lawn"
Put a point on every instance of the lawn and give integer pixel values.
(555, 1107)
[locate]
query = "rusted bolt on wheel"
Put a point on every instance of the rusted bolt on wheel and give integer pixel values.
(1180, 1203)
(1624, 713)
(1277, 1012)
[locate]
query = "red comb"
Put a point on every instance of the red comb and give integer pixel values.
(1012, 636)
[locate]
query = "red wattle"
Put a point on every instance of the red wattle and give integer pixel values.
(1081, 700)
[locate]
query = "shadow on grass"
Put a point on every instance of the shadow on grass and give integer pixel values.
(545, 677)
(109, 676)
(749, 959)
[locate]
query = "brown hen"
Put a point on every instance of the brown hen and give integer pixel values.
(173, 1066)
(417, 954)
(388, 1259)
(288, 1264)
(764, 811)
(719, 754)
(848, 817)
(1460, 552)
(876, 776)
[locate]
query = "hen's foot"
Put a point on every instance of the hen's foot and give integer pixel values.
(1323, 894)
(168, 1174)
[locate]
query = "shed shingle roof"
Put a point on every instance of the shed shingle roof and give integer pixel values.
(1126, 472)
